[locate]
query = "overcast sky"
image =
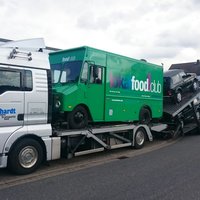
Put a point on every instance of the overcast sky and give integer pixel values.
(160, 31)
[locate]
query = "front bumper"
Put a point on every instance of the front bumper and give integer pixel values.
(3, 161)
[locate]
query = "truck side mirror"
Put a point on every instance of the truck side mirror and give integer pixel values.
(84, 75)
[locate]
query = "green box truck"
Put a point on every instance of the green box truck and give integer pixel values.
(91, 85)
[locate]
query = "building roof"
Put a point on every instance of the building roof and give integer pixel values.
(172, 72)
(190, 67)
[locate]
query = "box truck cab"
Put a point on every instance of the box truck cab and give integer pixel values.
(91, 85)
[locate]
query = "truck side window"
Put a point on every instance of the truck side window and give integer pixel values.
(10, 81)
(96, 74)
(28, 81)
(64, 75)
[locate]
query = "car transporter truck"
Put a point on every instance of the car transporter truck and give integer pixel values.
(27, 135)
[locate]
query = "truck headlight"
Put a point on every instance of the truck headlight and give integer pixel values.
(57, 104)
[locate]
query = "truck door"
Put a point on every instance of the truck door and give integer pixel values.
(11, 97)
(95, 90)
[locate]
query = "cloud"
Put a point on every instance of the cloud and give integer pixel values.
(89, 21)
(159, 31)
(182, 33)
(93, 21)
(179, 39)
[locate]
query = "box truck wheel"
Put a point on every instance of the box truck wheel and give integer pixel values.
(140, 138)
(25, 156)
(78, 118)
(145, 116)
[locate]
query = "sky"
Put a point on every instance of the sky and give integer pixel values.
(163, 32)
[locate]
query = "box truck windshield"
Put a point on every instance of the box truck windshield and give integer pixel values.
(67, 72)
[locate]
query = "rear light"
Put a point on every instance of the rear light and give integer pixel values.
(169, 93)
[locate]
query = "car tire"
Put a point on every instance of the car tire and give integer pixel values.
(178, 96)
(78, 118)
(195, 85)
(198, 114)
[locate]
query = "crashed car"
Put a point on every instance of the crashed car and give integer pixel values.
(177, 82)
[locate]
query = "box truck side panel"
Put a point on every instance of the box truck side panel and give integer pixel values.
(132, 85)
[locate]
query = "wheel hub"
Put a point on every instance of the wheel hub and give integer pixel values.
(179, 97)
(195, 86)
(140, 138)
(28, 156)
(79, 117)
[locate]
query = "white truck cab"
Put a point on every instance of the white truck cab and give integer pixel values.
(25, 104)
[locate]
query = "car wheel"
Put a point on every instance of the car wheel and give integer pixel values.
(78, 118)
(178, 97)
(195, 86)
(198, 114)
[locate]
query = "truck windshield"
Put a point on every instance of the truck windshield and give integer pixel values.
(68, 72)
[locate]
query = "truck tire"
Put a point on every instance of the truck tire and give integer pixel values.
(25, 157)
(140, 138)
(145, 116)
(78, 118)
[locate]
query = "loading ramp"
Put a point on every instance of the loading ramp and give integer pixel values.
(183, 117)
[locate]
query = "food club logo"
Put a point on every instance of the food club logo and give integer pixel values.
(135, 84)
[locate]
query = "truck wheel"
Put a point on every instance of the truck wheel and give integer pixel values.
(25, 157)
(78, 118)
(145, 116)
(140, 138)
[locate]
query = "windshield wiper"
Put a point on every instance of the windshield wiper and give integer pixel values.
(69, 81)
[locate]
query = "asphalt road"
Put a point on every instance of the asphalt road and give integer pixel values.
(171, 172)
